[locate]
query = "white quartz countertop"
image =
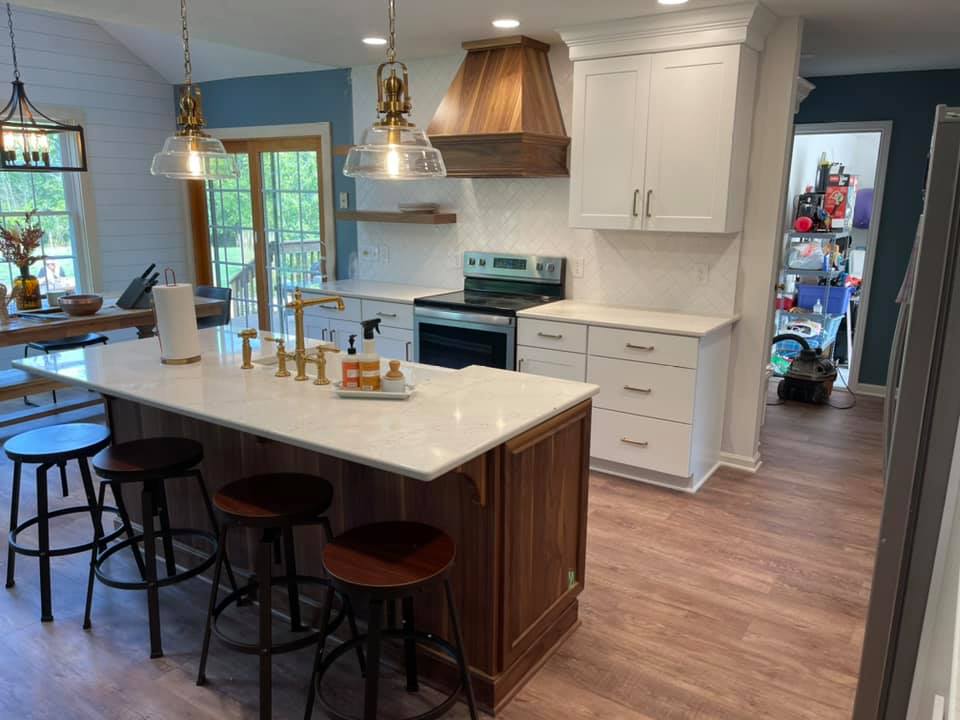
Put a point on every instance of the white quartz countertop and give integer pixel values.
(373, 290)
(453, 417)
(630, 318)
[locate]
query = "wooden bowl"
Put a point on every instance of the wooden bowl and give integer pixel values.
(80, 305)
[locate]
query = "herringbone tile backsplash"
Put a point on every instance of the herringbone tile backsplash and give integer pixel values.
(651, 270)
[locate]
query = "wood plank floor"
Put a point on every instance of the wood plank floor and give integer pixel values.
(744, 601)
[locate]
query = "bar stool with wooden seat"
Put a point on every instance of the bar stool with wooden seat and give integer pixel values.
(151, 462)
(46, 447)
(382, 563)
(273, 504)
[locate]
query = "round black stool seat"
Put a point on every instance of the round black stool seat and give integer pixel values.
(56, 443)
(379, 564)
(68, 343)
(47, 447)
(148, 459)
(272, 499)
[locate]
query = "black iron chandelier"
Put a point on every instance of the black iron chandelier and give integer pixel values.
(31, 141)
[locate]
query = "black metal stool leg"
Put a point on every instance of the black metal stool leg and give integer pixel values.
(410, 646)
(293, 592)
(461, 655)
(96, 508)
(372, 682)
(148, 508)
(115, 488)
(160, 500)
(264, 574)
(318, 657)
(64, 488)
(14, 518)
(43, 544)
(214, 589)
(88, 606)
(352, 620)
(208, 503)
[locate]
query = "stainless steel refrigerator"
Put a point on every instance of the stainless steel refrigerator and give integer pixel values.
(923, 411)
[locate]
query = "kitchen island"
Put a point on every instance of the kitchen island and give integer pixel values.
(497, 459)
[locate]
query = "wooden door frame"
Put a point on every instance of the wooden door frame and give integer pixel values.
(254, 140)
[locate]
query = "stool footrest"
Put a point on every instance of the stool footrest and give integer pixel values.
(161, 581)
(57, 552)
(399, 634)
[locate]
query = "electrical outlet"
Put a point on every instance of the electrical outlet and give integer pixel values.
(344, 201)
(370, 253)
(384, 253)
(457, 260)
(576, 267)
(701, 273)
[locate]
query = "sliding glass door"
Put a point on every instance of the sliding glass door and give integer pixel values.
(263, 232)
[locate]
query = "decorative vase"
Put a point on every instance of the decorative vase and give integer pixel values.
(27, 290)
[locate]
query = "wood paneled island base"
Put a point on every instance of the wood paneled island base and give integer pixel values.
(518, 513)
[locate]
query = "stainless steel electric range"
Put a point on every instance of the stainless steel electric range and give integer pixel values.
(478, 326)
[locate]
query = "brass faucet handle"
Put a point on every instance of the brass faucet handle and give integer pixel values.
(321, 361)
(282, 355)
(247, 352)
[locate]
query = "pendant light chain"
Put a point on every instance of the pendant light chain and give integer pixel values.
(392, 51)
(185, 36)
(13, 43)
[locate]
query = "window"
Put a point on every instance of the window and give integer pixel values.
(55, 196)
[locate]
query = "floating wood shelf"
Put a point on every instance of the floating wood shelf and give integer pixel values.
(384, 216)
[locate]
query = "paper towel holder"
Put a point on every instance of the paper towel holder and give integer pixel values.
(170, 281)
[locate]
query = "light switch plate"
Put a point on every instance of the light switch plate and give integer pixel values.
(576, 267)
(344, 201)
(384, 253)
(701, 273)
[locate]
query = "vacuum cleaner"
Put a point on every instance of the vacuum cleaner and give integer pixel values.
(810, 377)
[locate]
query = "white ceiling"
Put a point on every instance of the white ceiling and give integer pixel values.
(842, 36)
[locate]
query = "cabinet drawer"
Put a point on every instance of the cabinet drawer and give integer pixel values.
(552, 363)
(659, 391)
(395, 343)
(644, 346)
(395, 315)
(642, 442)
(352, 311)
(569, 337)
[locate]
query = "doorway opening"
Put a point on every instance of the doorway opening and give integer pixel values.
(823, 280)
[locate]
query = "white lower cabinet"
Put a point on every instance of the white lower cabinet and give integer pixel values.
(395, 343)
(658, 417)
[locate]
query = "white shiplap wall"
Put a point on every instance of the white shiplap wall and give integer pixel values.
(128, 111)
(652, 270)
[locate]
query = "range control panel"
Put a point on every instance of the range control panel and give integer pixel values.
(534, 268)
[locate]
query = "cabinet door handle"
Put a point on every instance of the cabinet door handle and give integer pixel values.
(324, 335)
(520, 364)
(639, 390)
(638, 443)
(647, 210)
(552, 336)
(333, 336)
(407, 349)
(647, 348)
(389, 315)
(636, 196)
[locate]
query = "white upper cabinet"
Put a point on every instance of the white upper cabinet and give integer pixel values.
(662, 114)
(610, 102)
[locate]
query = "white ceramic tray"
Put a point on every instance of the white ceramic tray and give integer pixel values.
(372, 395)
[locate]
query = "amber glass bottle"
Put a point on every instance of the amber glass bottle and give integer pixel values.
(27, 289)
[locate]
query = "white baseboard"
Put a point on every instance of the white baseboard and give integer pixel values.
(871, 390)
(741, 462)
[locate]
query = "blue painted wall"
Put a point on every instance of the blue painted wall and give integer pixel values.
(322, 96)
(908, 99)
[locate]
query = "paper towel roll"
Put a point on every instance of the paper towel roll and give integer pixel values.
(176, 324)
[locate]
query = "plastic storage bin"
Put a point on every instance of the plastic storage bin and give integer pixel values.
(833, 299)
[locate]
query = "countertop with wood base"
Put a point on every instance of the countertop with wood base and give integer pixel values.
(514, 498)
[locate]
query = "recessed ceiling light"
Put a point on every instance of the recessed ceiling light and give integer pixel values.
(506, 23)
(672, 2)
(374, 41)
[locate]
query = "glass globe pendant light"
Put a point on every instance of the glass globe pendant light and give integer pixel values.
(191, 154)
(393, 148)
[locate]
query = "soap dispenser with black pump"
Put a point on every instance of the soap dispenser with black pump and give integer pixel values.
(369, 359)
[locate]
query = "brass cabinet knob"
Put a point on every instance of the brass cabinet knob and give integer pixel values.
(247, 334)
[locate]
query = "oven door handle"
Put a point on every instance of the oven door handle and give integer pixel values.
(458, 316)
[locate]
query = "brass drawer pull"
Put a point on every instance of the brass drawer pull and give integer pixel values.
(639, 390)
(640, 347)
(552, 336)
(388, 315)
(638, 443)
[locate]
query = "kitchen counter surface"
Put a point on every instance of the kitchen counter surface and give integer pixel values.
(372, 290)
(630, 318)
(453, 417)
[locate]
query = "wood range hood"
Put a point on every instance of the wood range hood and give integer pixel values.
(500, 116)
